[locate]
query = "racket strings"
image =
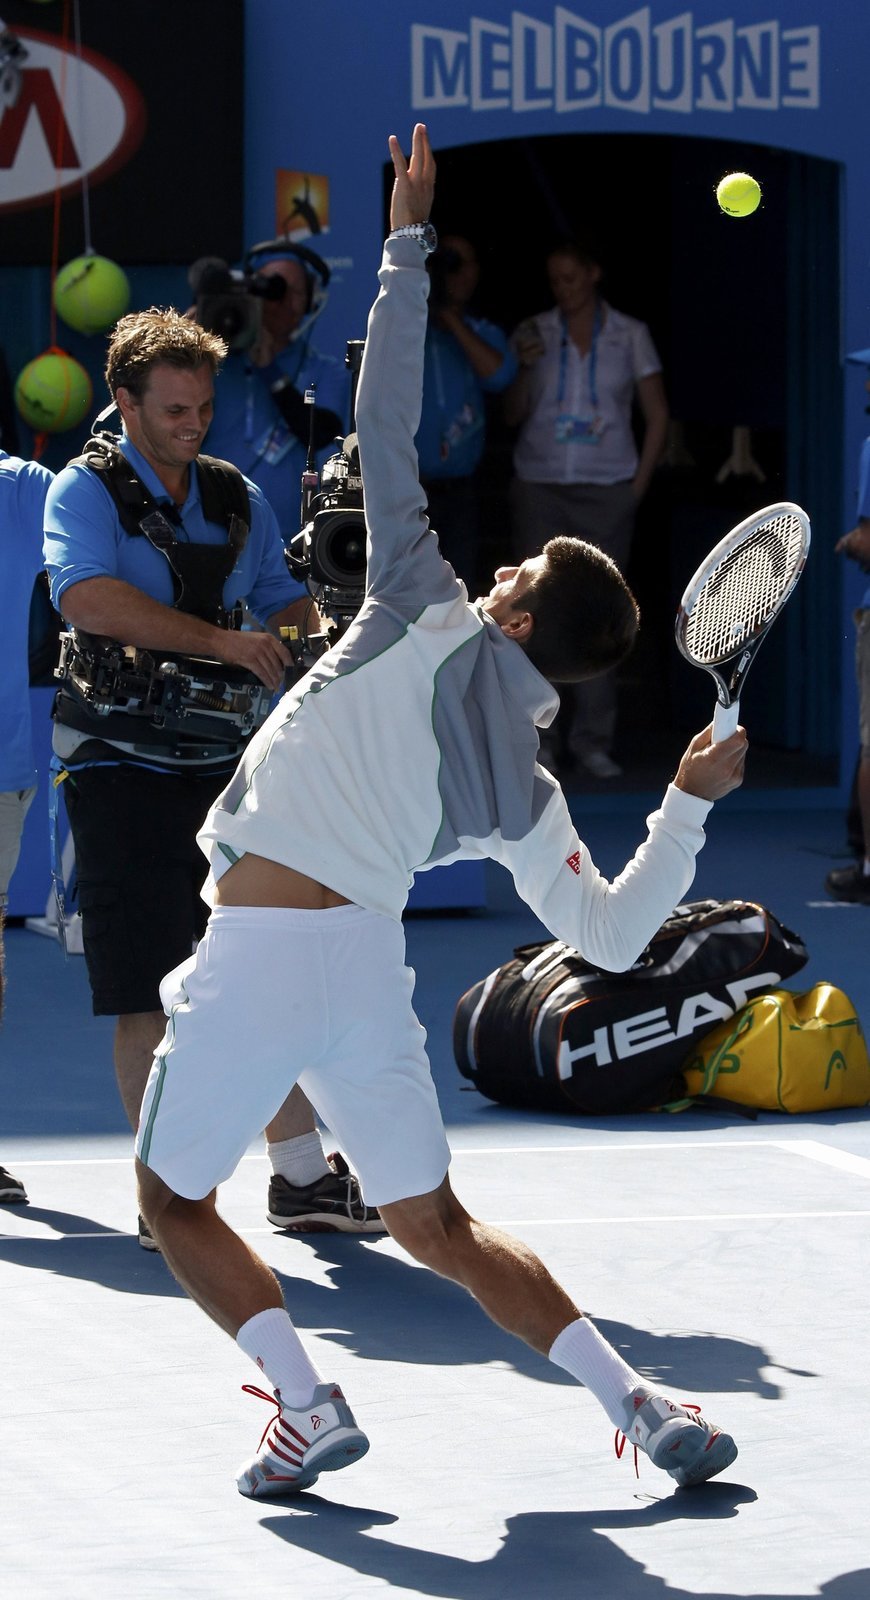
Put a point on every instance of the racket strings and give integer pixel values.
(742, 593)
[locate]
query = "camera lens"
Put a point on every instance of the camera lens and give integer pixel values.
(338, 549)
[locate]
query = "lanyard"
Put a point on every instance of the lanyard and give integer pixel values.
(593, 360)
(250, 391)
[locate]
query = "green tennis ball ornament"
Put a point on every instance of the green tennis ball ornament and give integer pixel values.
(738, 194)
(53, 392)
(91, 293)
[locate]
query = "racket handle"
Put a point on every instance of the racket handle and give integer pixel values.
(725, 720)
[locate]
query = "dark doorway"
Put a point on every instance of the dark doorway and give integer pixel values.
(745, 315)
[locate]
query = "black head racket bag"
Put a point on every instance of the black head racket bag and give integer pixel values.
(549, 1031)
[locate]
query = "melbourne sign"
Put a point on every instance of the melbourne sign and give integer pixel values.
(565, 64)
(75, 117)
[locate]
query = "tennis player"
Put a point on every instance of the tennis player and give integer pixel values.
(411, 743)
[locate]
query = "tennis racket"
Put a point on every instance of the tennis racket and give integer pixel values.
(735, 596)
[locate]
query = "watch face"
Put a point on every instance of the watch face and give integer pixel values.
(429, 238)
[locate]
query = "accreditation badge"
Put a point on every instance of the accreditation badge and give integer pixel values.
(274, 445)
(573, 429)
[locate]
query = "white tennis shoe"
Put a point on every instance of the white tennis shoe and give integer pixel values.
(675, 1437)
(298, 1445)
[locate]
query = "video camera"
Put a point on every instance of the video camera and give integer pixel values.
(328, 554)
(229, 302)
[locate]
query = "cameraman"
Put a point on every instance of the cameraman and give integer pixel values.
(261, 422)
(136, 794)
(466, 358)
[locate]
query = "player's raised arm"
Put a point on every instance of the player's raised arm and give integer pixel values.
(402, 554)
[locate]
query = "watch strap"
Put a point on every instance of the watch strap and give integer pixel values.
(423, 232)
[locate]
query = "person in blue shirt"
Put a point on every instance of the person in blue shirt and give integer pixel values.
(261, 422)
(852, 883)
(466, 359)
(23, 488)
(136, 794)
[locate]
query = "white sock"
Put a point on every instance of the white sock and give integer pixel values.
(301, 1161)
(581, 1350)
(271, 1341)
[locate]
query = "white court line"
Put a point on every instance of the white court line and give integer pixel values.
(468, 1150)
(829, 1156)
(809, 1149)
(52, 1237)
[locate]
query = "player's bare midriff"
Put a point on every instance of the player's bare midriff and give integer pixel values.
(256, 881)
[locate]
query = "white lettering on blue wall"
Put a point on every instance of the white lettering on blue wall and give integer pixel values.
(570, 65)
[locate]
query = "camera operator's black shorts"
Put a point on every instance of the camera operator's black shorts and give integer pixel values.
(139, 872)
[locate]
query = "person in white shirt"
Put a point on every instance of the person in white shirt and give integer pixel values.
(583, 366)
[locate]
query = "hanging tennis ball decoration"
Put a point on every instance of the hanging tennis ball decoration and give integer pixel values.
(91, 293)
(53, 392)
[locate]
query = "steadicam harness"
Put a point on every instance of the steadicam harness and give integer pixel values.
(190, 708)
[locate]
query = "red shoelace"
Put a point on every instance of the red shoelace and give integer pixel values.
(621, 1440)
(271, 1399)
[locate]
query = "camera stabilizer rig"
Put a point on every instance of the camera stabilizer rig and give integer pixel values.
(328, 554)
(144, 699)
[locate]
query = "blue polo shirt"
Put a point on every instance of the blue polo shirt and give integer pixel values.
(84, 539)
(23, 488)
(451, 435)
(249, 431)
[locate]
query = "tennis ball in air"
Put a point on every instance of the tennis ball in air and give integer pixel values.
(53, 392)
(91, 293)
(738, 194)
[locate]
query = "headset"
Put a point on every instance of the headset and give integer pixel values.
(317, 273)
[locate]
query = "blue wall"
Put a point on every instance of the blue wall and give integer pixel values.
(326, 84)
(791, 74)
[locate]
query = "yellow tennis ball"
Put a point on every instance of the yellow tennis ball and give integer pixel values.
(53, 392)
(91, 293)
(738, 194)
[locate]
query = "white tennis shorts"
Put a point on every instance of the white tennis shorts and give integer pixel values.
(274, 997)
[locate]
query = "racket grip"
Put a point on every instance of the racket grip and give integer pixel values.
(725, 720)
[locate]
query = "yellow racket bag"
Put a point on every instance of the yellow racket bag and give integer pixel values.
(785, 1052)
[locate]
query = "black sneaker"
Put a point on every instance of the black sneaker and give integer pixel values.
(12, 1190)
(333, 1204)
(147, 1240)
(849, 883)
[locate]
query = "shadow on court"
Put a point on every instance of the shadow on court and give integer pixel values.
(562, 1555)
(390, 1311)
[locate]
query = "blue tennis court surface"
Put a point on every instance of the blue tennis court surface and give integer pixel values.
(728, 1259)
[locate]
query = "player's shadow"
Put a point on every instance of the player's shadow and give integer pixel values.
(395, 1312)
(102, 1255)
(390, 1310)
(564, 1555)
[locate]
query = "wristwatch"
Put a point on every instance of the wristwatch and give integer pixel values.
(423, 232)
